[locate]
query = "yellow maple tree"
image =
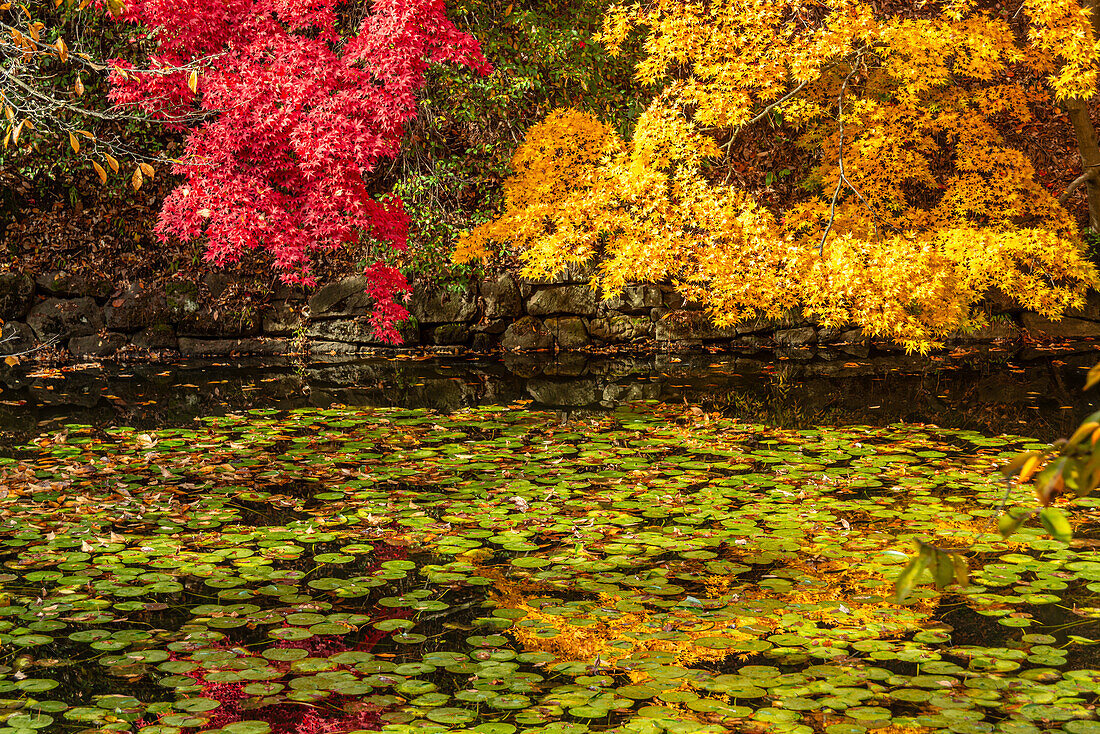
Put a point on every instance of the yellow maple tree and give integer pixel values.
(917, 206)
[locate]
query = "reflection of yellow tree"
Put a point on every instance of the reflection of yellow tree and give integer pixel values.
(612, 636)
(608, 639)
(921, 206)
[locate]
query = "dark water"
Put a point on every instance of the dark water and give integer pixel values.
(990, 392)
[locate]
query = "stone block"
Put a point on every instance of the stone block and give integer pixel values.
(443, 307)
(216, 283)
(344, 297)
(634, 299)
(224, 347)
(16, 296)
(135, 308)
(501, 298)
(527, 334)
(751, 343)
(620, 328)
(796, 337)
(494, 326)
(284, 292)
(16, 338)
(576, 300)
(445, 334)
(194, 315)
(62, 284)
(65, 318)
(569, 332)
(96, 345)
(357, 331)
(156, 338)
(852, 336)
(335, 348)
(682, 325)
(483, 343)
(282, 319)
(1068, 328)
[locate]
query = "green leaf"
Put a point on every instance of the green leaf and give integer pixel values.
(943, 569)
(1011, 520)
(907, 579)
(1056, 523)
(962, 569)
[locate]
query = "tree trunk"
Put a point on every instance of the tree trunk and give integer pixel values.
(1087, 144)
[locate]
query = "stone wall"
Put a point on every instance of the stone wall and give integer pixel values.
(97, 319)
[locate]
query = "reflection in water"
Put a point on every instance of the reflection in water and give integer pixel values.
(1040, 399)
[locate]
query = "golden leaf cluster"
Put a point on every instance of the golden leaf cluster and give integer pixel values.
(919, 206)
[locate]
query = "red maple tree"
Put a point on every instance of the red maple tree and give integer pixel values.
(294, 114)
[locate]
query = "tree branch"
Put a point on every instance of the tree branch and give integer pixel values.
(767, 110)
(1089, 175)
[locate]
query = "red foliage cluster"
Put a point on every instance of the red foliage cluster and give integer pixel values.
(288, 120)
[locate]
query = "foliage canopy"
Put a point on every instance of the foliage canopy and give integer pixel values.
(915, 205)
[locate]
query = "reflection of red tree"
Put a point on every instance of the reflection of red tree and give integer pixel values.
(335, 713)
(289, 718)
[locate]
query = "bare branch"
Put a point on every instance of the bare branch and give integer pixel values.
(842, 179)
(13, 336)
(767, 111)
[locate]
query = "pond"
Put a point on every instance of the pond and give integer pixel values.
(982, 391)
(467, 549)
